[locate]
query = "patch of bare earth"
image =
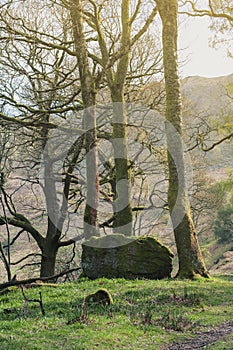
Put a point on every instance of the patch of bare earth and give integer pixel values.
(203, 339)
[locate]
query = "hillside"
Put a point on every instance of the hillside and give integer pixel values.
(208, 100)
(207, 94)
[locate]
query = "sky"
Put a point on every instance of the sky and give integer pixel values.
(202, 59)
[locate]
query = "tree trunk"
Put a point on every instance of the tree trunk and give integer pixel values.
(189, 254)
(123, 215)
(48, 259)
(92, 197)
(115, 61)
(123, 210)
(89, 100)
(49, 249)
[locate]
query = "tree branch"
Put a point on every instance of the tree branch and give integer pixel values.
(25, 257)
(32, 280)
(71, 241)
(23, 223)
(136, 12)
(145, 27)
(200, 13)
(228, 137)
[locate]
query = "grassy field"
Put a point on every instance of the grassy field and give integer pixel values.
(145, 314)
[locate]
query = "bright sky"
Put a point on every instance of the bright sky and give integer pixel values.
(202, 59)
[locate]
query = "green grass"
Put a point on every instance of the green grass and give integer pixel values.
(226, 344)
(145, 314)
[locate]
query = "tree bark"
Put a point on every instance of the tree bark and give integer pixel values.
(190, 258)
(48, 259)
(89, 100)
(123, 209)
(124, 216)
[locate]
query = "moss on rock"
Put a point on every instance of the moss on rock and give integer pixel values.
(109, 241)
(101, 296)
(116, 256)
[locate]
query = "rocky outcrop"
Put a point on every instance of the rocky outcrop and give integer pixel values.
(116, 256)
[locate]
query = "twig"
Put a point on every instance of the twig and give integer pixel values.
(26, 301)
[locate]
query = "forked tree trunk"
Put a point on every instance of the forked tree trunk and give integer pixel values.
(116, 77)
(190, 258)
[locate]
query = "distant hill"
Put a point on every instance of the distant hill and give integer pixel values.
(208, 98)
(208, 94)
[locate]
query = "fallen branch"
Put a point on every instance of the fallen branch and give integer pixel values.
(26, 301)
(32, 280)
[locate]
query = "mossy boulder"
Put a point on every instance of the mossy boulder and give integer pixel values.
(116, 256)
(101, 296)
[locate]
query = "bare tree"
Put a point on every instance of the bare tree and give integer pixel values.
(40, 89)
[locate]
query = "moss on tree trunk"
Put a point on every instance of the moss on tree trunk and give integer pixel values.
(189, 254)
(89, 100)
(123, 210)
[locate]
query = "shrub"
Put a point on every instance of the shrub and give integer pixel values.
(223, 228)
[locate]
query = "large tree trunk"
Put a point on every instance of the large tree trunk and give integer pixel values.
(123, 215)
(123, 210)
(92, 197)
(48, 262)
(48, 259)
(189, 254)
(89, 100)
(116, 78)
(49, 244)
